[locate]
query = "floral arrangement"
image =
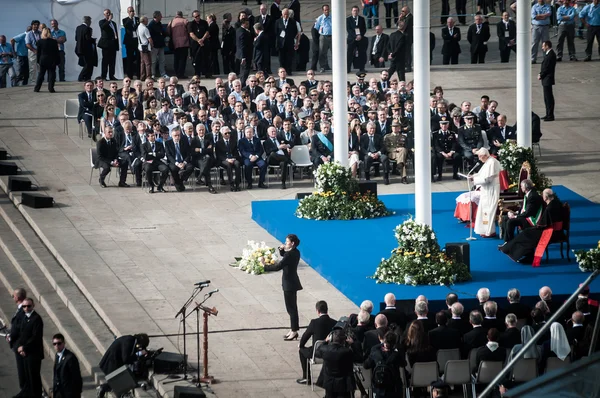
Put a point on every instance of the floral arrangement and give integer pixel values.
(337, 197)
(589, 261)
(512, 157)
(254, 258)
(418, 259)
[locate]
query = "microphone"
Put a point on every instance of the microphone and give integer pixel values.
(202, 284)
(213, 292)
(474, 167)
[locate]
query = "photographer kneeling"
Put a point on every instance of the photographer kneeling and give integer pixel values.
(339, 353)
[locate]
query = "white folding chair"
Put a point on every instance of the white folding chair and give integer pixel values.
(313, 363)
(301, 156)
(70, 112)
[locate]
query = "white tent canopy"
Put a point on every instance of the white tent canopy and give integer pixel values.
(69, 14)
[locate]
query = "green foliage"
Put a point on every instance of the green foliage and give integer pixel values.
(512, 158)
(589, 261)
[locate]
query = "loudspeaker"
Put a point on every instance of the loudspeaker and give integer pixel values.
(19, 184)
(3, 154)
(462, 251)
(367, 186)
(188, 392)
(36, 200)
(121, 380)
(8, 168)
(169, 362)
(302, 195)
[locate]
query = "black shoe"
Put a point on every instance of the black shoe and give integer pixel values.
(302, 381)
(151, 190)
(386, 180)
(501, 246)
(123, 185)
(52, 90)
(558, 59)
(549, 119)
(574, 59)
(113, 78)
(404, 180)
(455, 176)
(212, 190)
(283, 186)
(249, 186)
(439, 178)
(237, 188)
(199, 181)
(262, 185)
(587, 59)
(533, 62)
(160, 189)
(222, 182)
(233, 189)
(138, 184)
(180, 188)
(102, 183)
(36, 90)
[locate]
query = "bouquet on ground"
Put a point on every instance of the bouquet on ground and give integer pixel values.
(418, 259)
(255, 256)
(338, 197)
(588, 260)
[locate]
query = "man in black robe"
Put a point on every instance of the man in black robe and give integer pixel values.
(522, 248)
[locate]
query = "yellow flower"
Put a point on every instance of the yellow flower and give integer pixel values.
(427, 255)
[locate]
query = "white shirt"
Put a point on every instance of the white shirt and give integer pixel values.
(143, 36)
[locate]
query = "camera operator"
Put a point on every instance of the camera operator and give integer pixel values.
(126, 350)
(339, 352)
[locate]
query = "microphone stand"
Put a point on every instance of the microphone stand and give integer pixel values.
(182, 312)
(471, 237)
(206, 313)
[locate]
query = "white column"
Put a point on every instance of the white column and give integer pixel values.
(524, 73)
(340, 104)
(422, 117)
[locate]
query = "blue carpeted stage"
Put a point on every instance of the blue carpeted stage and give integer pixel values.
(346, 253)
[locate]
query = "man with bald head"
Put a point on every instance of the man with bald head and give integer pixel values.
(371, 336)
(393, 314)
(487, 179)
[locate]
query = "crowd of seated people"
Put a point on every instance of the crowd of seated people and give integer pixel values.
(490, 331)
(269, 116)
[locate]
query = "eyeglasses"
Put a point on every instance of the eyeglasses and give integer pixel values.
(27, 306)
(55, 343)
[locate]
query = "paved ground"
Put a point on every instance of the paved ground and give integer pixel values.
(137, 256)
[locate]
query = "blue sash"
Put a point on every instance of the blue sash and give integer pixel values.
(325, 141)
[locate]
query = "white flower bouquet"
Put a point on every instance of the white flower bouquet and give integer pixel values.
(254, 258)
(588, 260)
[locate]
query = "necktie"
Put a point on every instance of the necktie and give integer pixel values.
(153, 148)
(128, 140)
(109, 142)
(252, 92)
(478, 28)
(371, 144)
(288, 136)
(408, 114)
(375, 44)
(275, 142)
(227, 145)
(189, 140)
(356, 21)
(450, 31)
(503, 132)
(90, 97)
(178, 153)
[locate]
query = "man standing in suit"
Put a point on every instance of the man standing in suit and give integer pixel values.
(451, 46)
(108, 156)
(379, 48)
(85, 49)
(529, 214)
(251, 150)
(131, 24)
(373, 150)
(278, 153)
(288, 38)
(318, 328)
(19, 296)
(243, 50)
(179, 157)
(109, 43)
(30, 346)
(356, 41)
(262, 49)
(397, 52)
(507, 34)
(67, 382)
(152, 154)
(407, 17)
(547, 78)
(478, 36)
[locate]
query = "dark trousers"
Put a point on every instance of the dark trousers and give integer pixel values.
(282, 161)
(136, 169)
(228, 63)
(286, 59)
(181, 175)
(592, 32)
(408, 54)
(509, 225)
(61, 66)
(397, 65)
(109, 57)
(445, 11)
(20, 368)
(305, 353)
(231, 168)
(439, 161)
(132, 61)
(470, 157)
(204, 164)
(505, 53)
(22, 62)
(86, 70)
(389, 8)
(291, 306)
(549, 101)
(198, 58)
(262, 167)
(214, 68)
(316, 37)
(478, 57)
(357, 54)
(369, 161)
(461, 10)
(244, 70)
(33, 380)
(87, 119)
(51, 71)
(450, 59)
(156, 165)
(180, 60)
(566, 32)
(105, 169)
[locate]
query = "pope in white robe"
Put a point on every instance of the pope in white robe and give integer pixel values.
(487, 179)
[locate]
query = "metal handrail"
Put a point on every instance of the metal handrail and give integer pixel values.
(539, 334)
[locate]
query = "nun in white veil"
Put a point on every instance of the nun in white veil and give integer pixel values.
(534, 351)
(558, 345)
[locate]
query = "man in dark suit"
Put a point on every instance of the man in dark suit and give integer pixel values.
(85, 49)
(30, 346)
(130, 150)
(507, 34)
(373, 150)
(109, 43)
(457, 321)
(491, 319)
(512, 335)
(521, 311)
(356, 41)
(19, 296)
(529, 214)
(478, 35)
(152, 153)
(202, 147)
(278, 153)
(228, 158)
(321, 147)
(131, 24)
(443, 337)
(476, 337)
(108, 156)
(393, 314)
(371, 338)
(408, 19)
(339, 352)
(318, 328)
(498, 135)
(179, 159)
(123, 351)
(86, 105)
(547, 78)
(485, 353)
(310, 82)
(451, 46)
(288, 39)
(243, 50)
(378, 51)
(262, 50)
(397, 52)
(251, 151)
(67, 382)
